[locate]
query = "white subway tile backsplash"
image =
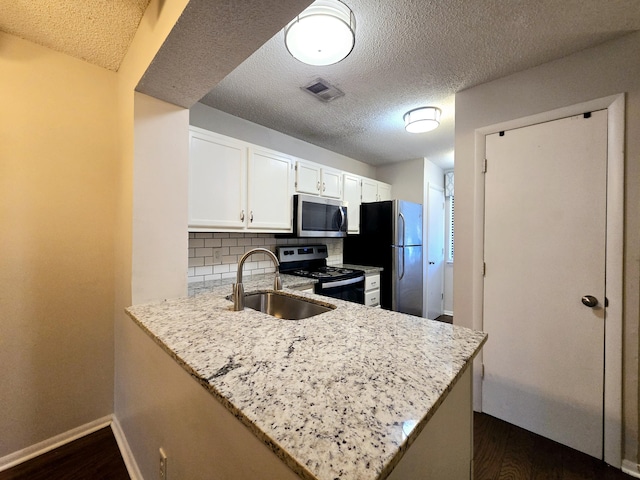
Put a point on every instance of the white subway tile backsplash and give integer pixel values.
(220, 268)
(196, 262)
(215, 255)
(213, 242)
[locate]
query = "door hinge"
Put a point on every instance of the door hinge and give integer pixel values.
(484, 269)
(296, 167)
(484, 166)
(442, 296)
(482, 371)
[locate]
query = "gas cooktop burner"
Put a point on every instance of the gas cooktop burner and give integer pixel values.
(310, 261)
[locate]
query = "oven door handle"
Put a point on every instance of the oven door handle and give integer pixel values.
(341, 283)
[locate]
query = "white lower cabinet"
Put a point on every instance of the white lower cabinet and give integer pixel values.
(372, 290)
(236, 186)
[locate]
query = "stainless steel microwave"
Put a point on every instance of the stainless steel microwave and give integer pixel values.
(319, 217)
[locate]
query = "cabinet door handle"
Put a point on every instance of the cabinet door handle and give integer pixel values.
(242, 216)
(251, 217)
(324, 187)
(318, 186)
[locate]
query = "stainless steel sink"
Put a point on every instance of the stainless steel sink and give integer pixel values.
(284, 306)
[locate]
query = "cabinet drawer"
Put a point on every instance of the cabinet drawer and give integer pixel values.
(372, 298)
(371, 282)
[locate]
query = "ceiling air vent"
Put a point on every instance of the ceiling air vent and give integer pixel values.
(323, 90)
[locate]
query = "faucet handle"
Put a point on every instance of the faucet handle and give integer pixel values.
(277, 282)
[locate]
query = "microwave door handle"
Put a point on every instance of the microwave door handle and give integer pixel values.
(342, 218)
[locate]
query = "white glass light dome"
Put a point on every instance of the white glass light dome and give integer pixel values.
(423, 119)
(323, 34)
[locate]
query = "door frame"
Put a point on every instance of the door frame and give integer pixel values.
(615, 105)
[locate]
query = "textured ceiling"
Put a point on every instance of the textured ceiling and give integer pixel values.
(412, 53)
(408, 53)
(98, 31)
(210, 39)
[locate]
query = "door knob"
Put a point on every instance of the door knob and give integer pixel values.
(590, 301)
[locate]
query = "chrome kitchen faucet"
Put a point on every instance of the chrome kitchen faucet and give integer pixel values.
(238, 288)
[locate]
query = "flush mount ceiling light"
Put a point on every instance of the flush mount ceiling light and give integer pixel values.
(423, 119)
(323, 34)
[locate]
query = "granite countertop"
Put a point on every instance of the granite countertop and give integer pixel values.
(368, 270)
(338, 395)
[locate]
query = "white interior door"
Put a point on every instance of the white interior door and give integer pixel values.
(435, 252)
(545, 221)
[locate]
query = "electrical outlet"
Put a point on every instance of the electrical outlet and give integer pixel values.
(163, 465)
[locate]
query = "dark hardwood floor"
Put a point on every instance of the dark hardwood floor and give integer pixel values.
(504, 451)
(93, 457)
(445, 318)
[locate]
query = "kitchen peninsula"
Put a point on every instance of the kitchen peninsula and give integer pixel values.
(355, 393)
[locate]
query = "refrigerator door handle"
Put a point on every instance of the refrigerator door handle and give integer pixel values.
(404, 226)
(403, 252)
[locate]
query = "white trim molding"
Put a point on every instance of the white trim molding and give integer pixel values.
(630, 468)
(52, 443)
(26, 454)
(125, 450)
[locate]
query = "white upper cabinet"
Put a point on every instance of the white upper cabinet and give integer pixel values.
(217, 181)
(375, 191)
(314, 179)
(352, 192)
(269, 186)
(235, 186)
(331, 183)
(308, 179)
(384, 191)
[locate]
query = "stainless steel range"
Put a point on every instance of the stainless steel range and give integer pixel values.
(311, 261)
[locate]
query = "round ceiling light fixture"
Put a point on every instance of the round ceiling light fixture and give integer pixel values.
(323, 34)
(423, 119)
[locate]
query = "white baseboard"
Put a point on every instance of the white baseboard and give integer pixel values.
(631, 468)
(33, 451)
(45, 446)
(448, 312)
(125, 450)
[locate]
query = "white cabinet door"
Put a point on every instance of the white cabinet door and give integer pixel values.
(369, 190)
(351, 194)
(331, 183)
(269, 186)
(308, 178)
(217, 176)
(384, 191)
(375, 191)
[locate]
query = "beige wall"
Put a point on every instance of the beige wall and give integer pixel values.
(608, 69)
(57, 196)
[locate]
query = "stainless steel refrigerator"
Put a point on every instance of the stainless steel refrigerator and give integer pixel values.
(391, 237)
